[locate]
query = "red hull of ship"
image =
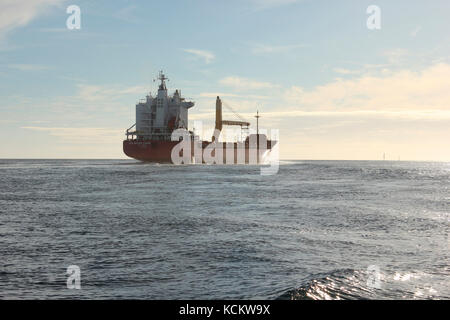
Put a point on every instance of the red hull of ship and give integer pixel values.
(160, 151)
(150, 151)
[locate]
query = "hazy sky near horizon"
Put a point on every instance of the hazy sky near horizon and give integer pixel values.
(334, 88)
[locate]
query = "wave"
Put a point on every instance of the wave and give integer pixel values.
(349, 284)
(344, 284)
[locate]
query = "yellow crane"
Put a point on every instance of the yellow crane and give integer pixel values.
(220, 122)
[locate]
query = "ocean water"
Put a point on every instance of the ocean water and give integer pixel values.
(315, 230)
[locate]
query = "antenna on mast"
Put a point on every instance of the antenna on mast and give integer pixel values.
(257, 121)
(162, 77)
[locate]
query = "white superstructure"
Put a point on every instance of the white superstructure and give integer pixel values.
(158, 116)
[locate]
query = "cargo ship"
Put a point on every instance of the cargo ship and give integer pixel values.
(151, 138)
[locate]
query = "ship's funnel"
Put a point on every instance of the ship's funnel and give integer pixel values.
(218, 114)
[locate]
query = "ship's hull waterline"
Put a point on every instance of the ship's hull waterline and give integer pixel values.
(161, 152)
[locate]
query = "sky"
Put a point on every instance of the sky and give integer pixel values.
(334, 88)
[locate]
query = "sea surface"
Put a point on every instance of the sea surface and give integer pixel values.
(315, 230)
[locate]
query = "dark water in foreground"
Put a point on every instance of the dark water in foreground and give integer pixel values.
(151, 231)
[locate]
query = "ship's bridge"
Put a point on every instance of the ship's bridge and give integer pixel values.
(157, 117)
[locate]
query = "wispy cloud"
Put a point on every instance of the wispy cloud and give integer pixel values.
(229, 95)
(127, 14)
(216, 94)
(415, 31)
(402, 90)
(268, 49)
(346, 71)
(243, 84)
(53, 30)
(374, 114)
(431, 115)
(27, 67)
(82, 135)
(395, 56)
(402, 94)
(107, 93)
(18, 13)
(266, 4)
(207, 56)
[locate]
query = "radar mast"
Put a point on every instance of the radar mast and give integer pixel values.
(162, 77)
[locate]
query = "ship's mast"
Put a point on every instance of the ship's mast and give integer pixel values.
(257, 121)
(162, 77)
